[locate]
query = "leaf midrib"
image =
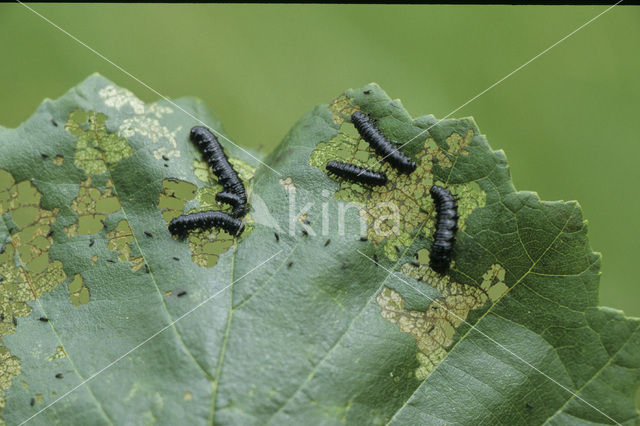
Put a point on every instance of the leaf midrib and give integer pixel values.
(228, 328)
(225, 339)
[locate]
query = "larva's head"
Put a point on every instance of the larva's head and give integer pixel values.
(407, 165)
(200, 133)
(177, 227)
(436, 190)
(359, 116)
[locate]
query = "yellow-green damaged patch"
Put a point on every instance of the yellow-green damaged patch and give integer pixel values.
(78, 292)
(342, 107)
(288, 185)
(26, 272)
(59, 353)
(97, 150)
(92, 207)
(122, 240)
(434, 328)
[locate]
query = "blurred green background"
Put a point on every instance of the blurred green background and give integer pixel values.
(566, 121)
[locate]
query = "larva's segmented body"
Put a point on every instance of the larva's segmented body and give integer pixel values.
(381, 144)
(181, 225)
(444, 236)
(234, 201)
(356, 173)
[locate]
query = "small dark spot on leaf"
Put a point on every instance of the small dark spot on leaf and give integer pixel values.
(44, 319)
(289, 264)
(397, 249)
(166, 165)
(44, 156)
(431, 329)
(367, 92)
(59, 376)
(148, 234)
(54, 123)
(375, 259)
(277, 236)
(50, 233)
(326, 243)
(165, 158)
(91, 242)
(364, 239)
(32, 402)
(60, 155)
(103, 223)
(2, 317)
(177, 259)
(306, 221)
(529, 406)
(182, 293)
(111, 261)
(15, 321)
(304, 232)
(344, 266)
(146, 268)
(416, 264)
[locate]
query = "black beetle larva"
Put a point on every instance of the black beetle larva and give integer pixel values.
(218, 161)
(205, 220)
(356, 173)
(444, 236)
(381, 144)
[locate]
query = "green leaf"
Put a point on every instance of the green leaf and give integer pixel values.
(304, 328)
